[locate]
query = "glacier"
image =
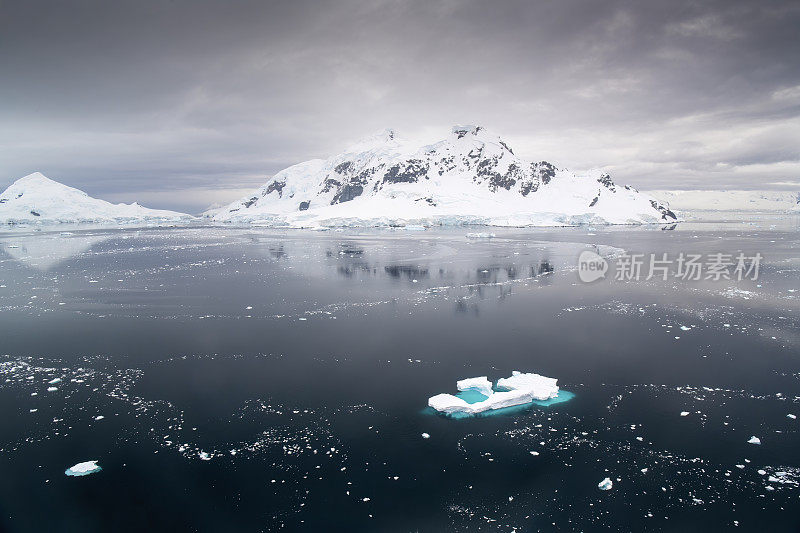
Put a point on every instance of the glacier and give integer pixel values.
(477, 395)
(37, 199)
(472, 177)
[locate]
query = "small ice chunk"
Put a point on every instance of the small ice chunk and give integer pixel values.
(54, 381)
(426, 436)
(534, 453)
(52, 389)
(83, 469)
(793, 417)
(754, 440)
(684, 413)
(606, 484)
(480, 235)
(99, 417)
(480, 384)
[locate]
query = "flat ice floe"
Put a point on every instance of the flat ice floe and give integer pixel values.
(83, 469)
(477, 395)
(606, 484)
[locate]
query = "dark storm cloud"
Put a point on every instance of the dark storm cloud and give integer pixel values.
(127, 99)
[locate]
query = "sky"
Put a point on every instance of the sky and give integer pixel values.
(183, 104)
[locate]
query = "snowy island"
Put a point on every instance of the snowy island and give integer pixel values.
(470, 177)
(477, 395)
(40, 200)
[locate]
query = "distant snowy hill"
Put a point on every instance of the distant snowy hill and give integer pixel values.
(38, 199)
(471, 177)
(733, 201)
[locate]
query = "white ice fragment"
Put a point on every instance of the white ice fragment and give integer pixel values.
(534, 453)
(684, 413)
(54, 381)
(754, 440)
(83, 469)
(480, 384)
(518, 389)
(52, 389)
(793, 417)
(99, 417)
(426, 436)
(606, 484)
(480, 235)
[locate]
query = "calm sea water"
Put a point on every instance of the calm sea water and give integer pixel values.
(252, 379)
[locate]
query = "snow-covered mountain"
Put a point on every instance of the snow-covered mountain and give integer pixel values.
(471, 177)
(38, 199)
(734, 201)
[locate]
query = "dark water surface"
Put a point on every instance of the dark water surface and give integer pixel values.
(254, 379)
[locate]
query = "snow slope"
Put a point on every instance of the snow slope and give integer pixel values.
(38, 199)
(471, 177)
(753, 201)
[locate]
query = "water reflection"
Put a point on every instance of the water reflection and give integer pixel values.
(47, 251)
(406, 271)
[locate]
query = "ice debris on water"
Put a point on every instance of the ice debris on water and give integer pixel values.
(754, 440)
(606, 484)
(426, 436)
(83, 469)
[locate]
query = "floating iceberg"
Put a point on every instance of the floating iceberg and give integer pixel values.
(476, 395)
(606, 484)
(754, 440)
(83, 469)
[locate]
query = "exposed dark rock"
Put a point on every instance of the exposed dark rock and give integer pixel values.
(594, 202)
(666, 213)
(34, 213)
(344, 168)
(545, 171)
(429, 201)
(251, 201)
(496, 180)
(276, 186)
(305, 205)
(507, 147)
(410, 171)
(330, 184)
(605, 181)
(347, 193)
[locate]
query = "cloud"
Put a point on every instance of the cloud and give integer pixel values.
(171, 98)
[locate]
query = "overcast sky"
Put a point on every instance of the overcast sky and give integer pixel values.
(176, 104)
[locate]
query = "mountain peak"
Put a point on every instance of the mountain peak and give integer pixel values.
(386, 137)
(36, 177)
(462, 130)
